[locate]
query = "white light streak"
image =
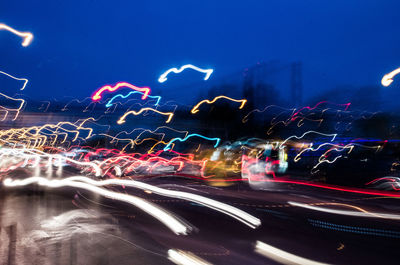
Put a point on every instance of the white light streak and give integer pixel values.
(229, 210)
(388, 78)
(27, 36)
(38, 155)
(333, 135)
(158, 213)
(345, 212)
(281, 256)
(181, 257)
(163, 77)
(16, 78)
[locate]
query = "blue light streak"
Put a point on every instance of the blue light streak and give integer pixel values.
(167, 147)
(109, 103)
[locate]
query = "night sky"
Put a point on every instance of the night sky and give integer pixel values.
(79, 46)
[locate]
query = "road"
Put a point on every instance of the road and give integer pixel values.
(71, 226)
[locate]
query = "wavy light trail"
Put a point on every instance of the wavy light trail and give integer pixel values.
(217, 140)
(39, 138)
(163, 77)
(38, 155)
(98, 93)
(334, 147)
(122, 119)
(347, 105)
(196, 107)
(17, 110)
(27, 36)
(333, 135)
(110, 102)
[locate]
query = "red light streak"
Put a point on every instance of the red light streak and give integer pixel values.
(98, 94)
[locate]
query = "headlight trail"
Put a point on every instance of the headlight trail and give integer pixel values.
(388, 78)
(195, 109)
(27, 36)
(98, 93)
(181, 257)
(163, 77)
(281, 256)
(175, 225)
(234, 212)
(122, 118)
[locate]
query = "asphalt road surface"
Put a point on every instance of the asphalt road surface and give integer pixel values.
(71, 226)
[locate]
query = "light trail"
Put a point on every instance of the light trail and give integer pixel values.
(335, 147)
(110, 102)
(217, 140)
(234, 212)
(98, 93)
(345, 212)
(246, 118)
(196, 107)
(181, 257)
(163, 77)
(38, 155)
(316, 105)
(174, 224)
(26, 36)
(388, 78)
(324, 157)
(344, 205)
(281, 256)
(16, 78)
(17, 110)
(333, 135)
(122, 119)
(36, 134)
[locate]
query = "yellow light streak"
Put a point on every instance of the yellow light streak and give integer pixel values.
(122, 119)
(195, 108)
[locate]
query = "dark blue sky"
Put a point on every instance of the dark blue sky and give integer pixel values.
(82, 45)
